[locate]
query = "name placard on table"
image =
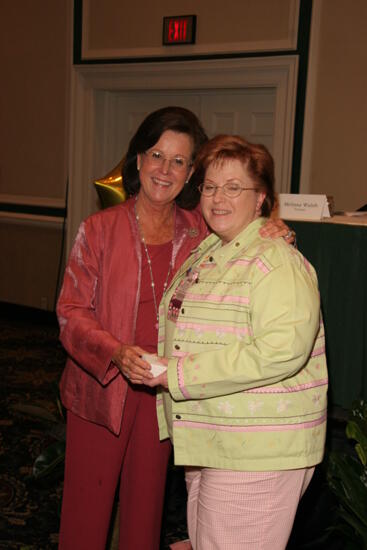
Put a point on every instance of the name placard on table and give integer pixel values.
(303, 207)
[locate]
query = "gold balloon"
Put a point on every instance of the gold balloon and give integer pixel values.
(110, 189)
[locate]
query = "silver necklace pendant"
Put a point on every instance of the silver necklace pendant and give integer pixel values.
(149, 261)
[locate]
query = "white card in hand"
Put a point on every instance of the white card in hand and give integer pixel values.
(153, 360)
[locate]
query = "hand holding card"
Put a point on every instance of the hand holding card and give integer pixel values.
(156, 366)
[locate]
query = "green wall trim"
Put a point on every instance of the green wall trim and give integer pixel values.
(304, 31)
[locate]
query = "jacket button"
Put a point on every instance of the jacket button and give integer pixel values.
(177, 346)
(211, 259)
(183, 310)
(178, 416)
(237, 244)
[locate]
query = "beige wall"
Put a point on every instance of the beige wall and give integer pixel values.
(339, 136)
(29, 269)
(35, 49)
(34, 57)
(35, 52)
(112, 25)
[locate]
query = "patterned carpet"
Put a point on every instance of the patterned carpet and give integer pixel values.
(31, 362)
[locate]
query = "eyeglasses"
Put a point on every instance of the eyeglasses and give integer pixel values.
(177, 164)
(231, 190)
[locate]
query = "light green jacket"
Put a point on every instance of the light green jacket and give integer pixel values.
(247, 375)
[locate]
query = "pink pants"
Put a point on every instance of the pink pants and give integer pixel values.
(96, 460)
(230, 510)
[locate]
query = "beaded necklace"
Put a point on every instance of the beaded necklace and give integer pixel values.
(149, 261)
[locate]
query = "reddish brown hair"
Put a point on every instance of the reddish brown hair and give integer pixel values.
(255, 157)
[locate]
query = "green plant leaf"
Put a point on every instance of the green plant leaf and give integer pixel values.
(348, 487)
(355, 430)
(361, 452)
(346, 476)
(356, 525)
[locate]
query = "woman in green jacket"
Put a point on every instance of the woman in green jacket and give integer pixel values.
(244, 395)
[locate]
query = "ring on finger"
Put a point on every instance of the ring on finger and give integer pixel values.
(289, 234)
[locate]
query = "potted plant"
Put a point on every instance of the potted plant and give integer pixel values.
(347, 478)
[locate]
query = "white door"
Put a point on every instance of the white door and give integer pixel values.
(247, 112)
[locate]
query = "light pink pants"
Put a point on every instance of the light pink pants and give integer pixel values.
(230, 510)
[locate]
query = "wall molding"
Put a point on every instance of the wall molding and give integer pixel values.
(45, 207)
(89, 53)
(15, 218)
(30, 200)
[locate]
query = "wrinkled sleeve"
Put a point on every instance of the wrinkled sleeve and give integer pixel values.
(285, 316)
(83, 337)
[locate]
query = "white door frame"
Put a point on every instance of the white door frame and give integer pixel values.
(91, 104)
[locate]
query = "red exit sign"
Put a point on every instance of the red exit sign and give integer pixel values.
(180, 29)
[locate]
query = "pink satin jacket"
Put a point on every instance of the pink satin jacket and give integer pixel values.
(98, 305)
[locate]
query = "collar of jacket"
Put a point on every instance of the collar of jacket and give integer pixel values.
(222, 254)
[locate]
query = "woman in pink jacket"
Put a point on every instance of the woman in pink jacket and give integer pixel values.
(121, 263)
